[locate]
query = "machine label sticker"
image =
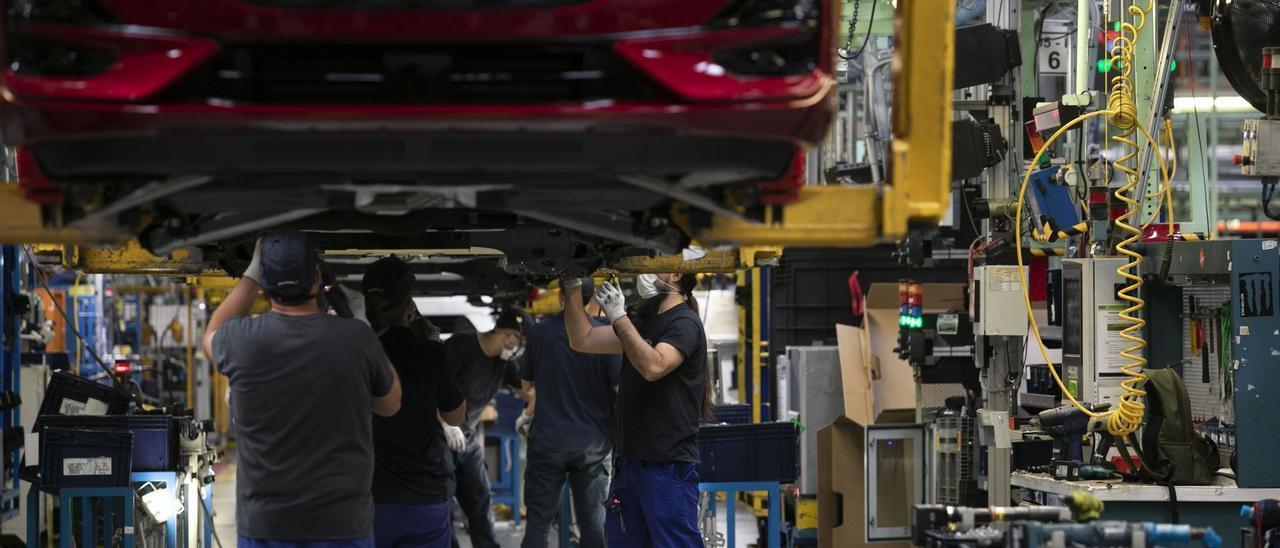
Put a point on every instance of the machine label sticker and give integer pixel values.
(948, 324)
(1257, 294)
(1110, 343)
(70, 407)
(1268, 245)
(95, 407)
(97, 466)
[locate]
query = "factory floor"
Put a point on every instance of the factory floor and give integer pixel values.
(509, 536)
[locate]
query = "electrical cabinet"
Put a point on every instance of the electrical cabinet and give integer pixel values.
(997, 306)
(1091, 324)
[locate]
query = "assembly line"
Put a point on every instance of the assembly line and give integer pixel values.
(639, 273)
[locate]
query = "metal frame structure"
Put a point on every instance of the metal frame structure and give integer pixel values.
(10, 373)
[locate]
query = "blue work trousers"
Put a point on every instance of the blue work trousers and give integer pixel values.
(544, 477)
(412, 526)
(653, 504)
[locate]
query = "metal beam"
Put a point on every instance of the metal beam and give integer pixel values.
(823, 216)
(131, 258)
(715, 261)
(236, 229)
(674, 192)
(923, 69)
(143, 195)
(22, 223)
(620, 235)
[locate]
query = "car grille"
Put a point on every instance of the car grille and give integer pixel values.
(416, 73)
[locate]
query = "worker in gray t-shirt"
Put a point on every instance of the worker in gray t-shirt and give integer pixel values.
(304, 388)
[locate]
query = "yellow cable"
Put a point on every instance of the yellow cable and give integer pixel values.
(1122, 113)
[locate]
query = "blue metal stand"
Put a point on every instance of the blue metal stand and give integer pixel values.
(108, 496)
(10, 373)
(507, 489)
(732, 488)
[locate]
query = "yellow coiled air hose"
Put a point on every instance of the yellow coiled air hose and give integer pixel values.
(1122, 113)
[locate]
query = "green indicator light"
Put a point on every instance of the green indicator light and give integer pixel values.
(1115, 26)
(1173, 65)
(1104, 65)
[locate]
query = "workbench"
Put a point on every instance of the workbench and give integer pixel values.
(1217, 506)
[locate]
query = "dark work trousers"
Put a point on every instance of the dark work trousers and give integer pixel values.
(470, 486)
(587, 473)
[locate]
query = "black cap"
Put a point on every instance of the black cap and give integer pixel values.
(511, 318)
(288, 264)
(390, 279)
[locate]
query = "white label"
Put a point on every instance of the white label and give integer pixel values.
(95, 407)
(1055, 53)
(31, 447)
(1268, 245)
(1110, 344)
(70, 407)
(1004, 280)
(128, 530)
(97, 466)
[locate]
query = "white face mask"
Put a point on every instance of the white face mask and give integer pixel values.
(646, 285)
(509, 354)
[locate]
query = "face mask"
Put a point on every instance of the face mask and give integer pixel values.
(509, 354)
(646, 285)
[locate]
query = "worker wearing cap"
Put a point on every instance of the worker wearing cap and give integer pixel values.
(304, 388)
(410, 476)
(481, 363)
(570, 434)
(663, 393)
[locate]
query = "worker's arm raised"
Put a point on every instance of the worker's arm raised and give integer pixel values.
(237, 304)
(652, 362)
(584, 337)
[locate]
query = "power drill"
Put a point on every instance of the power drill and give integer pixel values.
(1067, 425)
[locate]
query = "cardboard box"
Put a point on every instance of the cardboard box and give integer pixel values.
(842, 497)
(895, 388)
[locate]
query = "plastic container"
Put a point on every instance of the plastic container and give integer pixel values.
(733, 413)
(155, 440)
(69, 394)
(71, 457)
(749, 452)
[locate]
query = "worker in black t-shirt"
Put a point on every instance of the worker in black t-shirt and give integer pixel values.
(662, 395)
(410, 476)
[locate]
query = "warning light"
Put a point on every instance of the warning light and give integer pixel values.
(123, 367)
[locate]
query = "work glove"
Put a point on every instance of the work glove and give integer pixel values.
(454, 437)
(254, 272)
(523, 424)
(611, 301)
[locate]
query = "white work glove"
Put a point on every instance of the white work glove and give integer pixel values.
(523, 424)
(254, 272)
(455, 438)
(611, 301)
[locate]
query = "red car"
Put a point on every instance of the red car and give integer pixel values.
(200, 120)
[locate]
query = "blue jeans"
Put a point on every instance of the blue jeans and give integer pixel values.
(653, 504)
(544, 478)
(404, 525)
(469, 483)
(246, 542)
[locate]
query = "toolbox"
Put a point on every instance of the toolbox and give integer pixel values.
(155, 437)
(749, 452)
(70, 394)
(72, 457)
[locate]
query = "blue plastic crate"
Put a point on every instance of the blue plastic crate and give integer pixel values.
(749, 452)
(155, 439)
(71, 457)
